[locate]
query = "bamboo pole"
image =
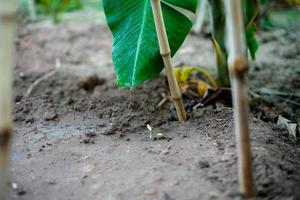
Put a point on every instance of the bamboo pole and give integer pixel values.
(238, 68)
(166, 56)
(8, 11)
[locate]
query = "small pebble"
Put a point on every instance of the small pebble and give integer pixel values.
(150, 192)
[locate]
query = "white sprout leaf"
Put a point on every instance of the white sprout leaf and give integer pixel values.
(149, 127)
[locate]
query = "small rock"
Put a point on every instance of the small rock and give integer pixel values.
(203, 164)
(21, 192)
(51, 183)
(22, 75)
(112, 128)
(150, 191)
(48, 116)
(29, 156)
(14, 186)
(165, 152)
(89, 138)
(91, 134)
(18, 98)
(92, 107)
(88, 141)
(289, 125)
(167, 196)
(29, 119)
(69, 101)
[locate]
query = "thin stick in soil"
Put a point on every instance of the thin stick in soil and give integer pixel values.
(8, 16)
(43, 78)
(166, 56)
(238, 68)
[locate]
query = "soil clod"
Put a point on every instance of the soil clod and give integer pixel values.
(50, 115)
(89, 83)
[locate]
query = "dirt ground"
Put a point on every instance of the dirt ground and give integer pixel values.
(76, 141)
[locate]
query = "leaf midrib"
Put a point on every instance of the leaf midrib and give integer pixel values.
(137, 53)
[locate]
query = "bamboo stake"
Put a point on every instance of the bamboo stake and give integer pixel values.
(238, 68)
(8, 11)
(166, 56)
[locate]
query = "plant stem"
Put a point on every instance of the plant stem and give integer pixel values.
(31, 9)
(217, 24)
(166, 56)
(238, 68)
(8, 11)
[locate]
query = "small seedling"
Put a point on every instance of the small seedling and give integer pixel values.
(150, 130)
(55, 8)
(155, 136)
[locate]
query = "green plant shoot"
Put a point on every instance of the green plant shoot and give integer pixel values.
(56, 7)
(217, 21)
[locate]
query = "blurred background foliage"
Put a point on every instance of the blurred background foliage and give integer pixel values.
(274, 13)
(279, 13)
(56, 9)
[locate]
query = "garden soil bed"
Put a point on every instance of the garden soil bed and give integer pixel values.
(78, 137)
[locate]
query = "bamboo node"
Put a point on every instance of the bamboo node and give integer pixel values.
(8, 15)
(5, 137)
(238, 67)
(176, 98)
(165, 54)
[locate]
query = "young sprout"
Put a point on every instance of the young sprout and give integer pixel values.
(238, 67)
(157, 136)
(150, 129)
(8, 11)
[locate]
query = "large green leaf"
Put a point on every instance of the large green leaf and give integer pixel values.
(136, 54)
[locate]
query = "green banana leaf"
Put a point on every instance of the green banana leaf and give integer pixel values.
(136, 55)
(251, 10)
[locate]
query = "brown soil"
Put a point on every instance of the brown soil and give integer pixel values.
(85, 138)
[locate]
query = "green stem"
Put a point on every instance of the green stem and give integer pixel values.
(217, 21)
